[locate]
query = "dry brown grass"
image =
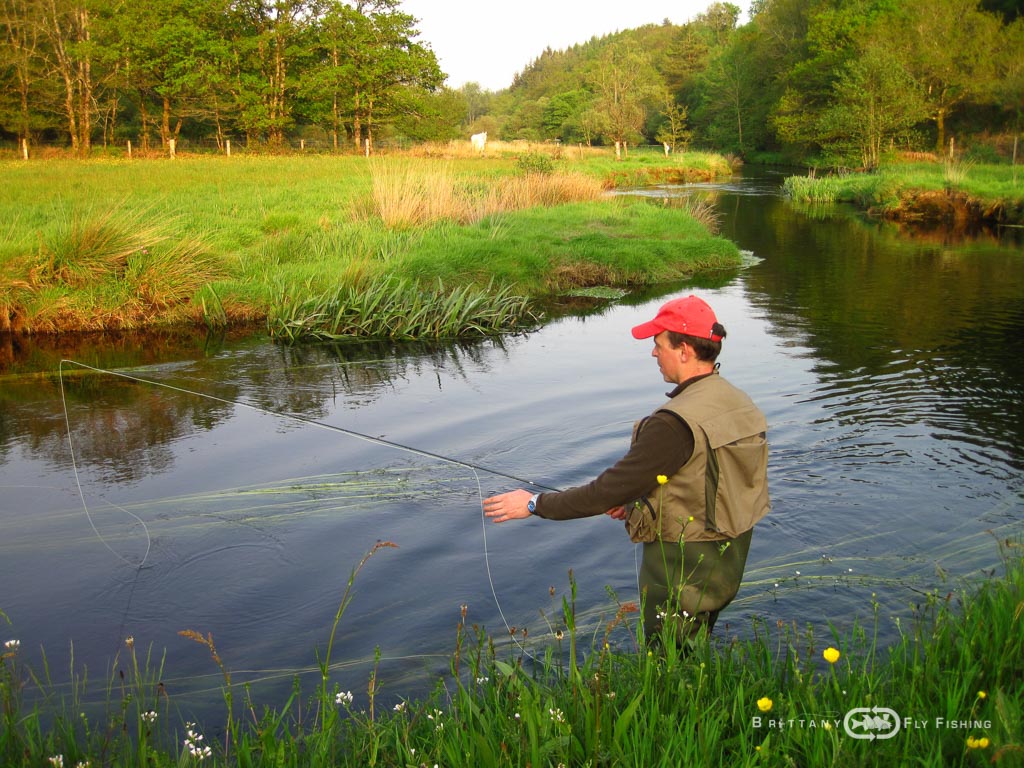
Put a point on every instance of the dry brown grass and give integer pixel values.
(405, 194)
(461, 148)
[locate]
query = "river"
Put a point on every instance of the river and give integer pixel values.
(222, 489)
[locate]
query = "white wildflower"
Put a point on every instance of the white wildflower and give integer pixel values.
(556, 715)
(482, 680)
(12, 645)
(345, 698)
(400, 706)
(57, 761)
(149, 717)
(194, 745)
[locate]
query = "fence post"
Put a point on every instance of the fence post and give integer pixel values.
(171, 143)
(227, 146)
(129, 149)
(24, 148)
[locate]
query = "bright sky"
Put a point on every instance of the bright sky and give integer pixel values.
(488, 43)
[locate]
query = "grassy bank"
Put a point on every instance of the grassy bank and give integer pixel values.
(949, 692)
(951, 192)
(121, 244)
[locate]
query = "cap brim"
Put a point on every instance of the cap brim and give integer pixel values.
(646, 330)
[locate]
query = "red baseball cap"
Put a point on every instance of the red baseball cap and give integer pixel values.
(689, 315)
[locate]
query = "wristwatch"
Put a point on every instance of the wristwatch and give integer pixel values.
(531, 505)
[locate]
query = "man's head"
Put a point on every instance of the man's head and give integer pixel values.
(690, 321)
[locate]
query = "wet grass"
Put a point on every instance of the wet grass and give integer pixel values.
(948, 692)
(113, 245)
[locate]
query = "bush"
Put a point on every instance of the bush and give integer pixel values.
(535, 162)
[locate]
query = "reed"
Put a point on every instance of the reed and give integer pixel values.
(399, 309)
(807, 189)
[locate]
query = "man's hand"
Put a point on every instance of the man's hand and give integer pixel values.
(508, 506)
(617, 513)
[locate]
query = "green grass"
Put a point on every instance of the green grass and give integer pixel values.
(231, 236)
(953, 681)
(996, 189)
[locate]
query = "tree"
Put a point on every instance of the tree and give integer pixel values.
(673, 131)
(948, 46)
(67, 30)
(392, 68)
(270, 43)
(19, 48)
(623, 80)
(875, 102)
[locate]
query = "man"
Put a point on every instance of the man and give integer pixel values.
(692, 485)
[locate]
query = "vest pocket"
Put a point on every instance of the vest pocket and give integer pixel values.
(640, 522)
(741, 492)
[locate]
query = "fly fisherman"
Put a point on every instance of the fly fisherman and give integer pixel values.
(692, 485)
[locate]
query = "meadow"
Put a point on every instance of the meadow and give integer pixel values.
(120, 244)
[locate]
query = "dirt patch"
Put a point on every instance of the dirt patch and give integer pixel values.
(946, 207)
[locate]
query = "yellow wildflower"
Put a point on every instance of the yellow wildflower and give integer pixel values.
(831, 655)
(764, 704)
(662, 479)
(982, 695)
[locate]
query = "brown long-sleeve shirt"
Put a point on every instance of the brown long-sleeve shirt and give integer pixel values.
(663, 444)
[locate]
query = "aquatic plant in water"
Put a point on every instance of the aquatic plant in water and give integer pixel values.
(400, 309)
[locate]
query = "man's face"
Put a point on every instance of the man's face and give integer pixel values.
(670, 359)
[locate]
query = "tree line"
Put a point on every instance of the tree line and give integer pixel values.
(836, 81)
(831, 81)
(82, 71)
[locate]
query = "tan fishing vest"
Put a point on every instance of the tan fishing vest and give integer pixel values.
(723, 489)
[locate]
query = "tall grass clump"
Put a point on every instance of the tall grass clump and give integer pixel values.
(806, 189)
(955, 170)
(387, 308)
(412, 194)
(105, 270)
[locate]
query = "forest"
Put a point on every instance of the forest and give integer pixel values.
(836, 83)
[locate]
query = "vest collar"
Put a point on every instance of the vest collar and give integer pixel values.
(689, 381)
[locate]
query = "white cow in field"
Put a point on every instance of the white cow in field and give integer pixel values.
(479, 141)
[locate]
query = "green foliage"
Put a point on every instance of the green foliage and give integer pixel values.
(535, 162)
(399, 310)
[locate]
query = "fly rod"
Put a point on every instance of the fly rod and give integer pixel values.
(310, 422)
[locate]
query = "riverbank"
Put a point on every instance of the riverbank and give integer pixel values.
(947, 693)
(954, 194)
(120, 245)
